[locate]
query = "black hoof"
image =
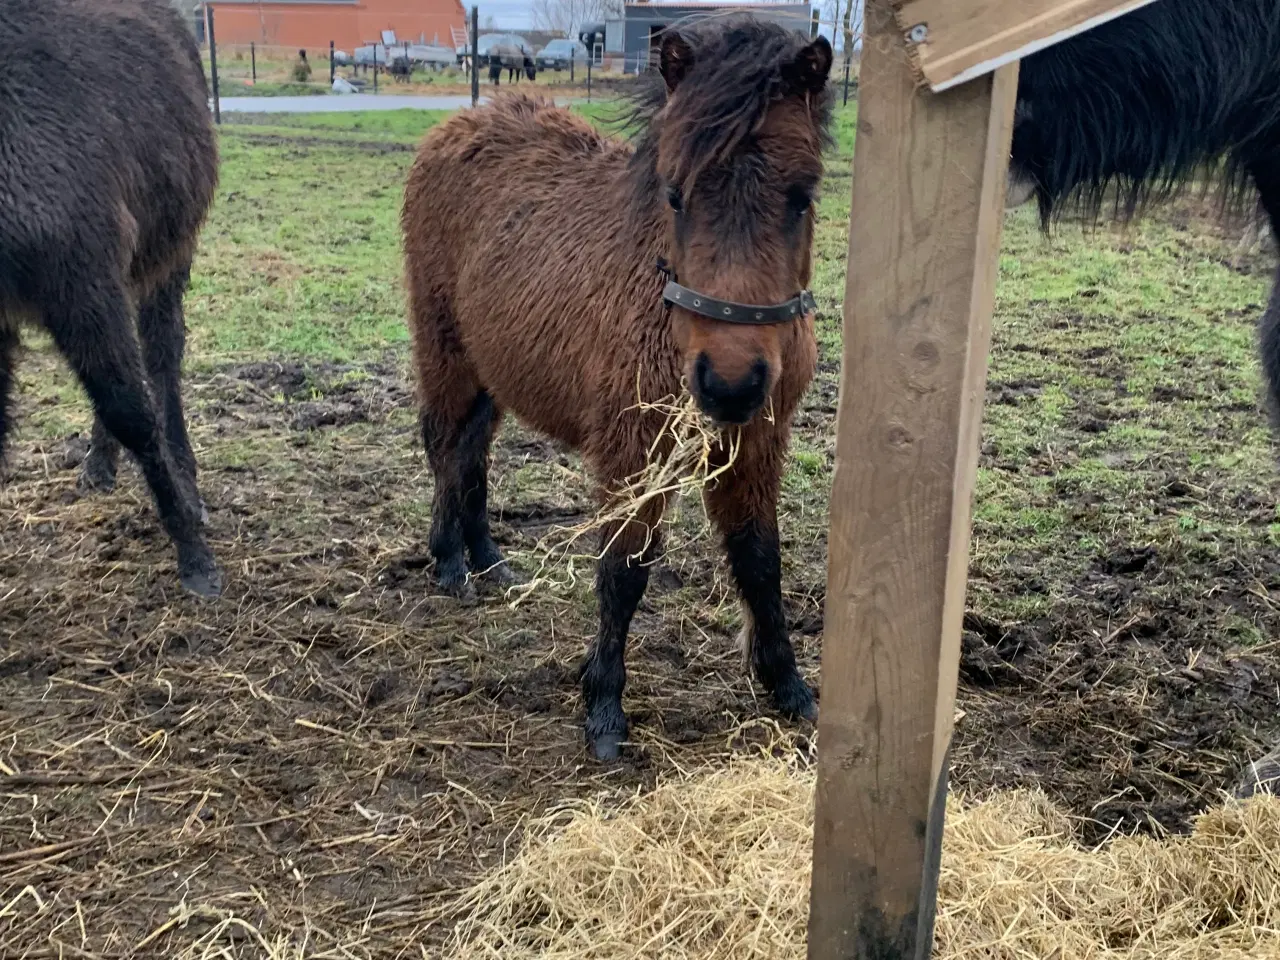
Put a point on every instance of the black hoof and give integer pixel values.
(96, 476)
(452, 577)
(502, 575)
(201, 577)
(795, 700)
(607, 748)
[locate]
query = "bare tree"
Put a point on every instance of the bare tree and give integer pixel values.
(853, 11)
(567, 16)
(844, 36)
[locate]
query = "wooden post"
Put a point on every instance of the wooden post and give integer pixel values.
(924, 229)
(475, 55)
(333, 67)
(375, 66)
(213, 63)
(253, 61)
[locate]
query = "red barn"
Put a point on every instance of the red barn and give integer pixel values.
(311, 24)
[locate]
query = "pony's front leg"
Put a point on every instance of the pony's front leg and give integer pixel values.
(744, 506)
(621, 578)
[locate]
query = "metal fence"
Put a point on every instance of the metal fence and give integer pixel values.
(263, 70)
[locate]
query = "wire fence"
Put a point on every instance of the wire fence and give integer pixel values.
(259, 69)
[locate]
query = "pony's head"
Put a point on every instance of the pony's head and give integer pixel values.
(737, 123)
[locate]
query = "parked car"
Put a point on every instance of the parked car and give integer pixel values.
(557, 54)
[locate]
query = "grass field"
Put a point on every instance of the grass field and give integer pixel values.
(323, 756)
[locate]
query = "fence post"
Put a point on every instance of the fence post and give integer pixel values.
(213, 63)
(333, 67)
(253, 61)
(572, 57)
(375, 66)
(847, 60)
(589, 60)
(475, 55)
(813, 25)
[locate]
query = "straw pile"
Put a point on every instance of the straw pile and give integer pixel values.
(717, 866)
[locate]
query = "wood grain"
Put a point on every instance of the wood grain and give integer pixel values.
(965, 39)
(928, 193)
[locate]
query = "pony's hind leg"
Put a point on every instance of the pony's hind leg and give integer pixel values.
(458, 450)
(162, 331)
(8, 347)
(473, 462)
(744, 505)
(91, 325)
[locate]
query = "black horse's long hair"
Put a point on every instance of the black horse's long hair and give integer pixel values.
(1136, 108)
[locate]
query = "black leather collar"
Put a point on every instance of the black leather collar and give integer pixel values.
(675, 295)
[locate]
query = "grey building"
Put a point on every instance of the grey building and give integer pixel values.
(635, 38)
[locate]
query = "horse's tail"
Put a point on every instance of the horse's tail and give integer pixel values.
(1266, 176)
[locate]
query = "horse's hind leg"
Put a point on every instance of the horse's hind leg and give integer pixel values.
(162, 329)
(458, 449)
(472, 456)
(8, 347)
(91, 324)
(744, 506)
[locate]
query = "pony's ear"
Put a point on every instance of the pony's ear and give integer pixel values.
(808, 72)
(674, 59)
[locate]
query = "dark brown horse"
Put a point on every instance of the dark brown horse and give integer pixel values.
(105, 179)
(564, 319)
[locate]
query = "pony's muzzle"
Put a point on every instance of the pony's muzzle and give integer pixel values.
(729, 402)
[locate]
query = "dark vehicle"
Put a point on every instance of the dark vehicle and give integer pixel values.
(557, 55)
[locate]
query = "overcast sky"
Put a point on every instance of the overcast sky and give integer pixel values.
(510, 14)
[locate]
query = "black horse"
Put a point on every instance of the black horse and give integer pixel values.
(105, 179)
(1134, 109)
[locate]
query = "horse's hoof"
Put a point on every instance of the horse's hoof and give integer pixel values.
(503, 575)
(1262, 776)
(795, 700)
(607, 747)
(203, 581)
(95, 477)
(460, 588)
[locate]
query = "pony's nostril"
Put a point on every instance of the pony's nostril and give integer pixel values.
(759, 374)
(703, 376)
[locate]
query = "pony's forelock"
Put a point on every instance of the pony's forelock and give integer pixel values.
(736, 75)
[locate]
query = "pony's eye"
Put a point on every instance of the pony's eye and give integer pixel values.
(799, 199)
(674, 198)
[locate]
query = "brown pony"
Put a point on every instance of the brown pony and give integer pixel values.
(563, 319)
